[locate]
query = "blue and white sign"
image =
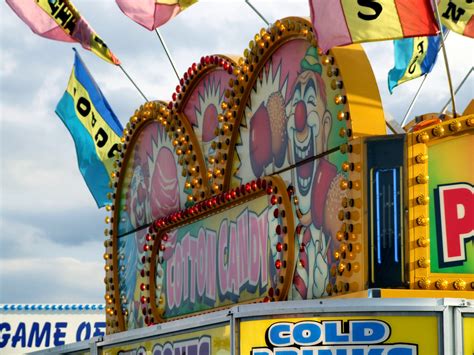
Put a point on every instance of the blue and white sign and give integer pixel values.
(27, 328)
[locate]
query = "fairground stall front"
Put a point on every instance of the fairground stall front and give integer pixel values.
(265, 210)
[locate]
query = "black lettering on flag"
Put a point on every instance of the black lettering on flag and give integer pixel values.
(101, 138)
(99, 41)
(453, 12)
(420, 47)
(54, 5)
(83, 106)
(70, 25)
(374, 5)
(112, 150)
(68, 22)
(412, 67)
(421, 50)
(93, 120)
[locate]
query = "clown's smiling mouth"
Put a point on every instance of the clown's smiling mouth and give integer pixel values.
(304, 173)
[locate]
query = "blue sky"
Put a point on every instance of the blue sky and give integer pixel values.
(51, 232)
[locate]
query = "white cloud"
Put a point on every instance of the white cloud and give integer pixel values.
(26, 239)
(35, 269)
(26, 181)
(51, 280)
(7, 63)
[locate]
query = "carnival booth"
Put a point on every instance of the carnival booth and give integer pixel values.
(265, 210)
(269, 180)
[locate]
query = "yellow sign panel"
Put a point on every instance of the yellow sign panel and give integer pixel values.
(341, 335)
(211, 341)
(468, 329)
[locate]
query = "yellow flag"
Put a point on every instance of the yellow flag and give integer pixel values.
(458, 16)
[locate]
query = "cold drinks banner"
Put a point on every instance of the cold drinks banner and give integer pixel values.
(341, 335)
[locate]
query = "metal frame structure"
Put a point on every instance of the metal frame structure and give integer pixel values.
(459, 314)
(449, 311)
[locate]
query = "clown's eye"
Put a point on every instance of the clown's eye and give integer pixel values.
(310, 93)
(297, 94)
(311, 100)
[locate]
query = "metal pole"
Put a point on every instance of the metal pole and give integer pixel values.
(457, 89)
(435, 2)
(129, 78)
(257, 12)
(167, 52)
(414, 100)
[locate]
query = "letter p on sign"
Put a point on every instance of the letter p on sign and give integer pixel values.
(456, 210)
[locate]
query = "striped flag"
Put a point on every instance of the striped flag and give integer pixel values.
(153, 13)
(60, 20)
(95, 129)
(342, 22)
(414, 57)
(458, 16)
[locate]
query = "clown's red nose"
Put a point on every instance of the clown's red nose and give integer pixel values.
(300, 116)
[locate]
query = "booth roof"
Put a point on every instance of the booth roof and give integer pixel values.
(52, 307)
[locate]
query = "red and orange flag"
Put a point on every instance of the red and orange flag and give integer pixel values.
(342, 22)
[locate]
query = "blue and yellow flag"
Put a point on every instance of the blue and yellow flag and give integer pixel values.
(414, 57)
(94, 127)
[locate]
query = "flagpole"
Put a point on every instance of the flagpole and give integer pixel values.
(457, 89)
(438, 18)
(129, 78)
(167, 52)
(414, 100)
(257, 12)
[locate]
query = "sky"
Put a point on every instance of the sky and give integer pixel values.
(51, 232)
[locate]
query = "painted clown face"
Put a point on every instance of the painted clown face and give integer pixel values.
(307, 131)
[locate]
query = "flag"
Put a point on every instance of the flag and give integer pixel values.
(153, 13)
(95, 129)
(458, 16)
(342, 22)
(414, 57)
(59, 20)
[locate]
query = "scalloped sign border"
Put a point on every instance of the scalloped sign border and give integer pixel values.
(264, 101)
